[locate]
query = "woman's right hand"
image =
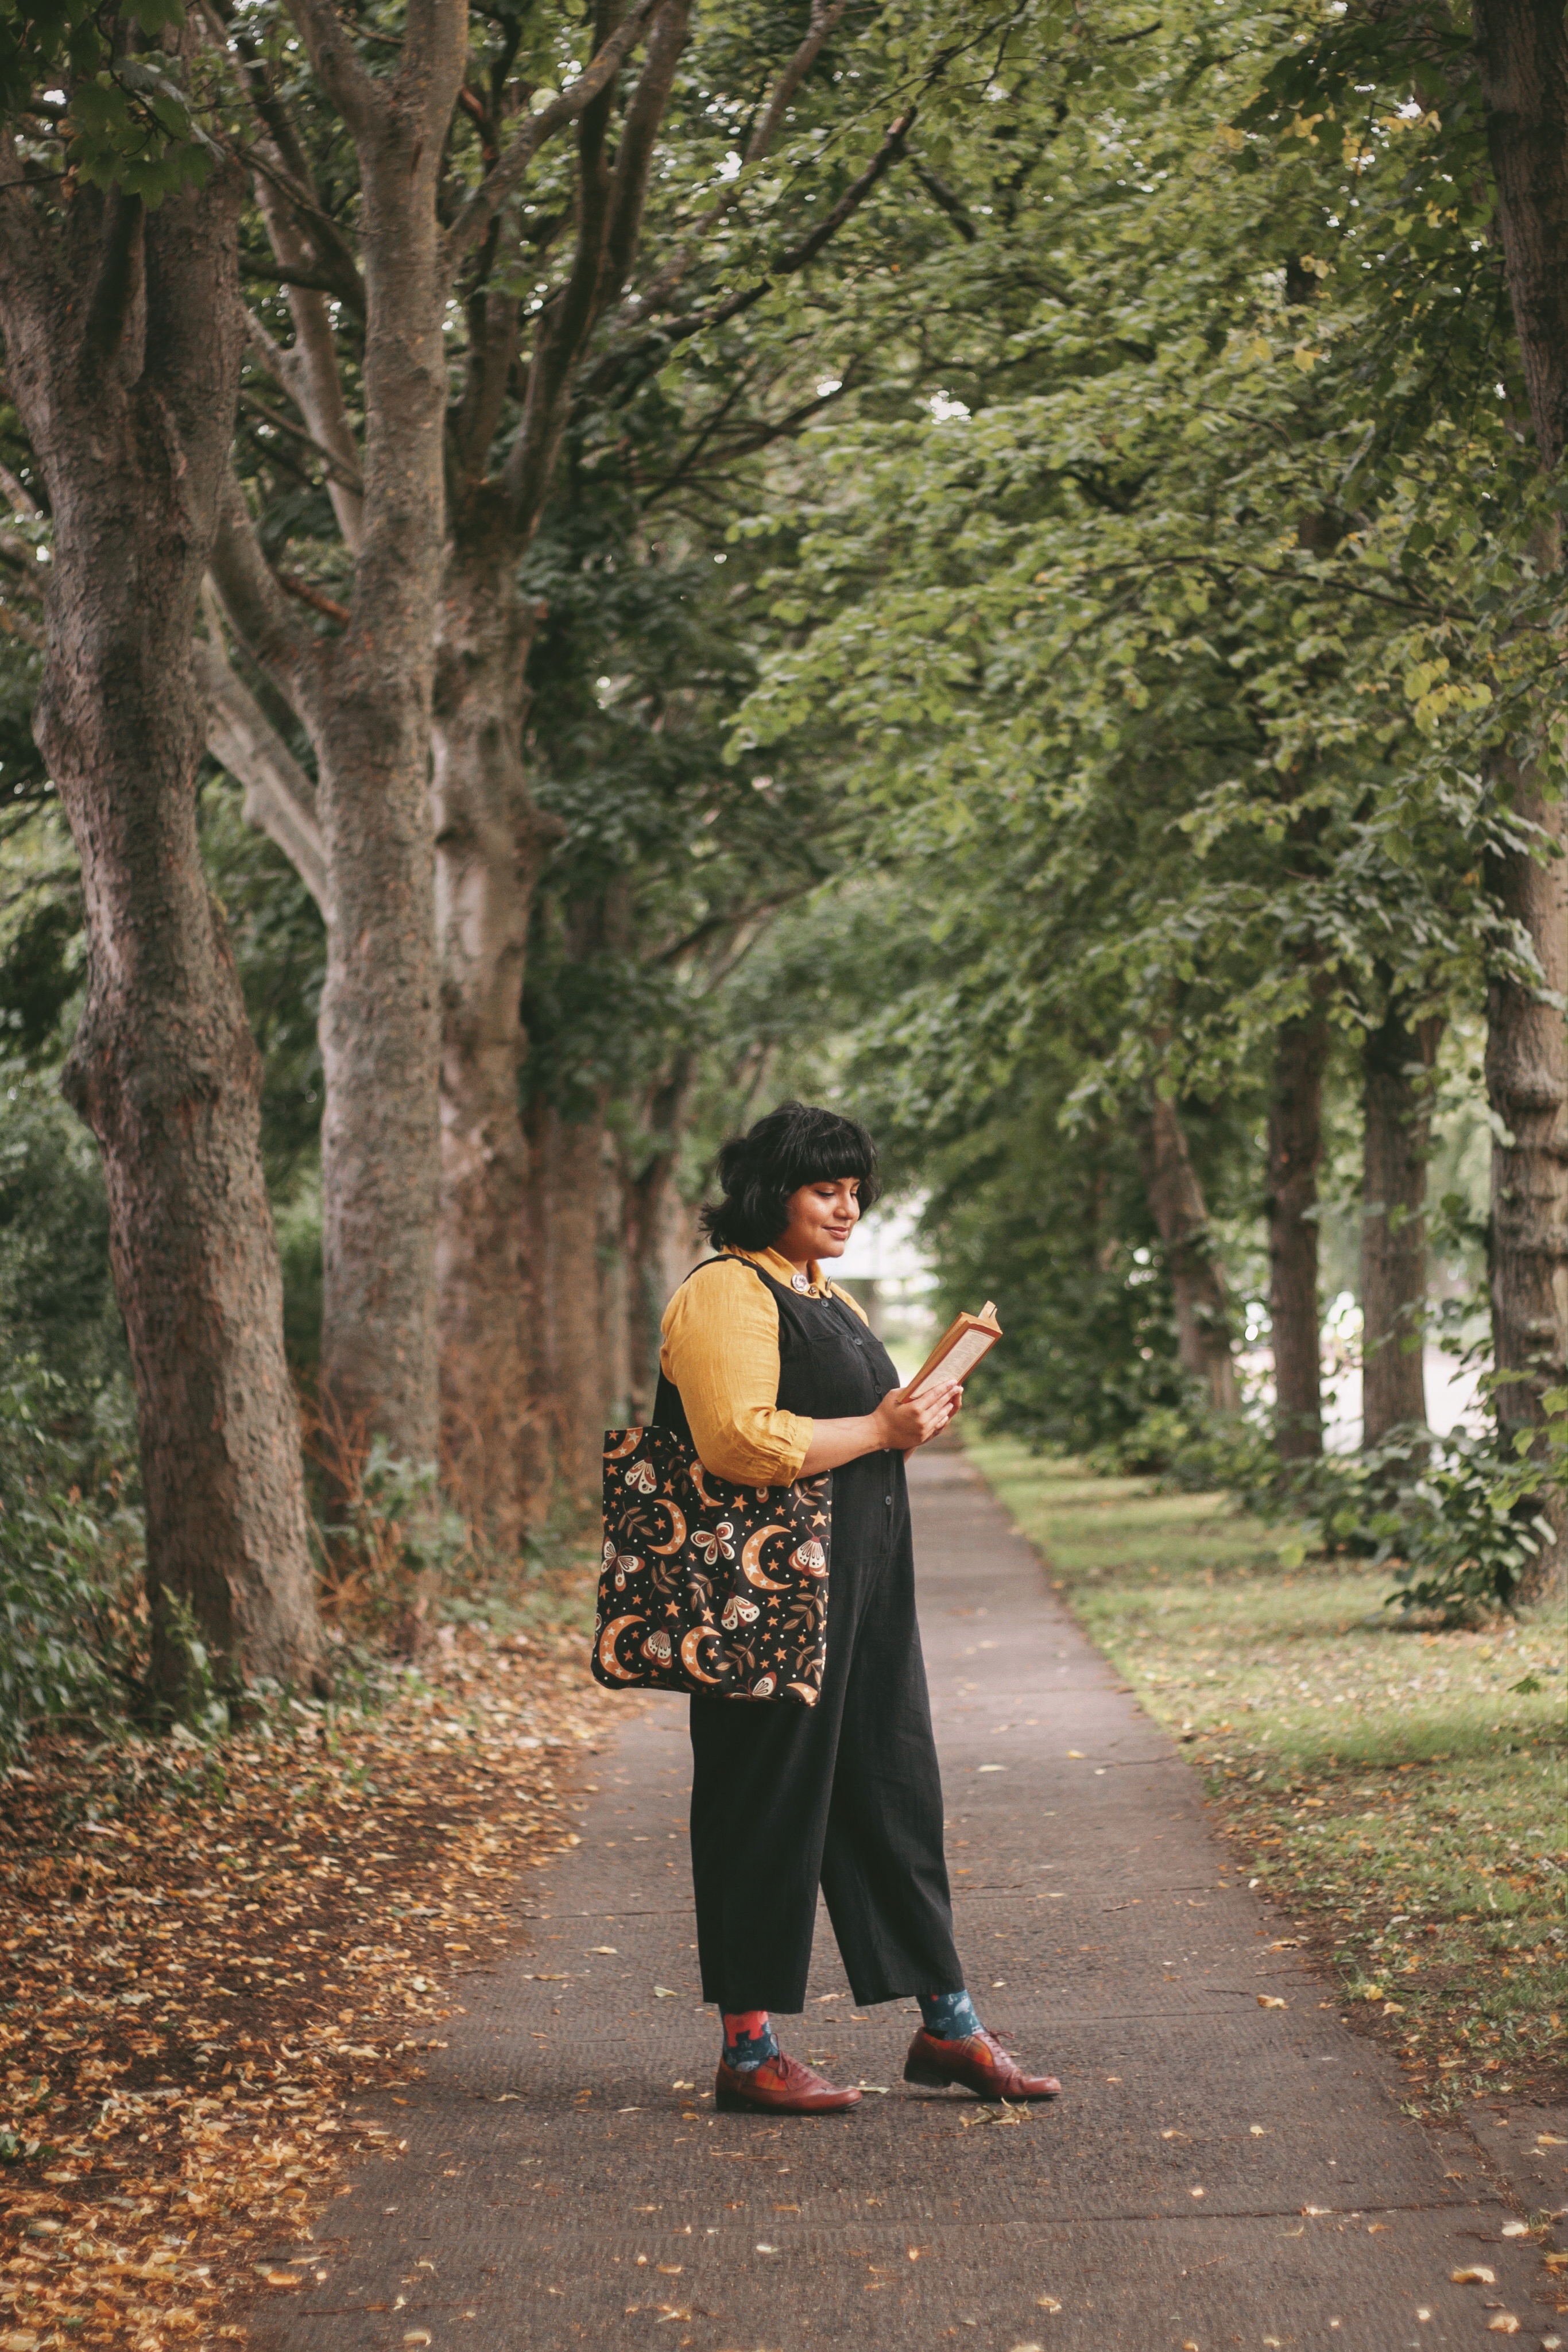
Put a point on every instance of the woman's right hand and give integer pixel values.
(906, 1421)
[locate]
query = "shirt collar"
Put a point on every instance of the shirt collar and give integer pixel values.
(783, 1272)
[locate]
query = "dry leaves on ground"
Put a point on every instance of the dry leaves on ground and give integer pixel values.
(206, 1952)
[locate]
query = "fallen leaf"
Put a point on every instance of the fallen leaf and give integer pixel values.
(665, 1992)
(1516, 2229)
(1271, 2001)
(285, 2278)
(417, 2335)
(1474, 2274)
(1048, 2303)
(604, 1951)
(1502, 2322)
(1077, 1754)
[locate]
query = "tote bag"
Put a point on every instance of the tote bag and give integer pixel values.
(707, 1586)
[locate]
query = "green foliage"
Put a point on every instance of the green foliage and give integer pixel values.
(1470, 1530)
(70, 1638)
(57, 1299)
(1459, 1520)
(131, 120)
(393, 1542)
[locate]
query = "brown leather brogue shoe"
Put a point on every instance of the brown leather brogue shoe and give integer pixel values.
(978, 2063)
(780, 2086)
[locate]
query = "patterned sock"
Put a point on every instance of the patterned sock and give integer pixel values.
(748, 2039)
(949, 2016)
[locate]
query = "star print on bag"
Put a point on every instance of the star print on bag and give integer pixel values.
(685, 1554)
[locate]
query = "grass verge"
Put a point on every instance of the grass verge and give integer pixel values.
(208, 1955)
(1404, 1794)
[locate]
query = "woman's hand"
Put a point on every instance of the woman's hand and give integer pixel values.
(907, 1422)
(899, 1424)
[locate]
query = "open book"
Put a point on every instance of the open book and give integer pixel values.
(967, 1339)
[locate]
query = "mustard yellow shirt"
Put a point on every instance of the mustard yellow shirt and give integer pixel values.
(721, 1349)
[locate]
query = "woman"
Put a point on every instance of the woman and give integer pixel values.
(774, 1375)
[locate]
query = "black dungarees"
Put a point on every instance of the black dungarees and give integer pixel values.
(846, 1794)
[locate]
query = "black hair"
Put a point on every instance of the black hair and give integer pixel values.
(794, 1145)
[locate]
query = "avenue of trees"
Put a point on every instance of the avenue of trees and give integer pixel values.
(572, 568)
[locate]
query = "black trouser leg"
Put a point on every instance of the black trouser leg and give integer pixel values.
(846, 1794)
(884, 1871)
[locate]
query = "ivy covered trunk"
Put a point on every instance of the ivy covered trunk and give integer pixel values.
(1197, 1282)
(1527, 1084)
(122, 350)
(1396, 1063)
(1295, 1151)
(490, 842)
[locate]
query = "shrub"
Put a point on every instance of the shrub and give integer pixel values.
(70, 1621)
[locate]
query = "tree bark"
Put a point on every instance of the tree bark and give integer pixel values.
(650, 1240)
(1396, 1063)
(1295, 1151)
(1198, 1284)
(365, 698)
(128, 396)
(490, 843)
(1523, 51)
(570, 1153)
(1527, 1085)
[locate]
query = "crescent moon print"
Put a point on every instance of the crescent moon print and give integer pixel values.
(606, 1640)
(696, 1474)
(690, 1645)
(751, 1552)
(690, 1596)
(677, 1527)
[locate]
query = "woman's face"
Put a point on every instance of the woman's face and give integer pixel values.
(822, 1216)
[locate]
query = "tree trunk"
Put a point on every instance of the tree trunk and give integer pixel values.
(1396, 1063)
(570, 1156)
(490, 843)
(1295, 1150)
(127, 392)
(648, 1215)
(1181, 1213)
(1524, 51)
(1527, 1085)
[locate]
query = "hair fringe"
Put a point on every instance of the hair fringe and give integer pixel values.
(797, 1144)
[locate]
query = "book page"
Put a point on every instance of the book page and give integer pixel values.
(961, 1357)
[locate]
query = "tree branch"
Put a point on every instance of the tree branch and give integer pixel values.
(475, 216)
(279, 798)
(347, 475)
(252, 596)
(639, 130)
(800, 256)
(825, 17)
(359, 97)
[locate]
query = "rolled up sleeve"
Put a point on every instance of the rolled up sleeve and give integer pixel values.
(721, 1351)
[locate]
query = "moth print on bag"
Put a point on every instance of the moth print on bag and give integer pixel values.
(705, 1586)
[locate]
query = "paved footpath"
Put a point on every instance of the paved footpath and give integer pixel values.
(1218, 2172)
